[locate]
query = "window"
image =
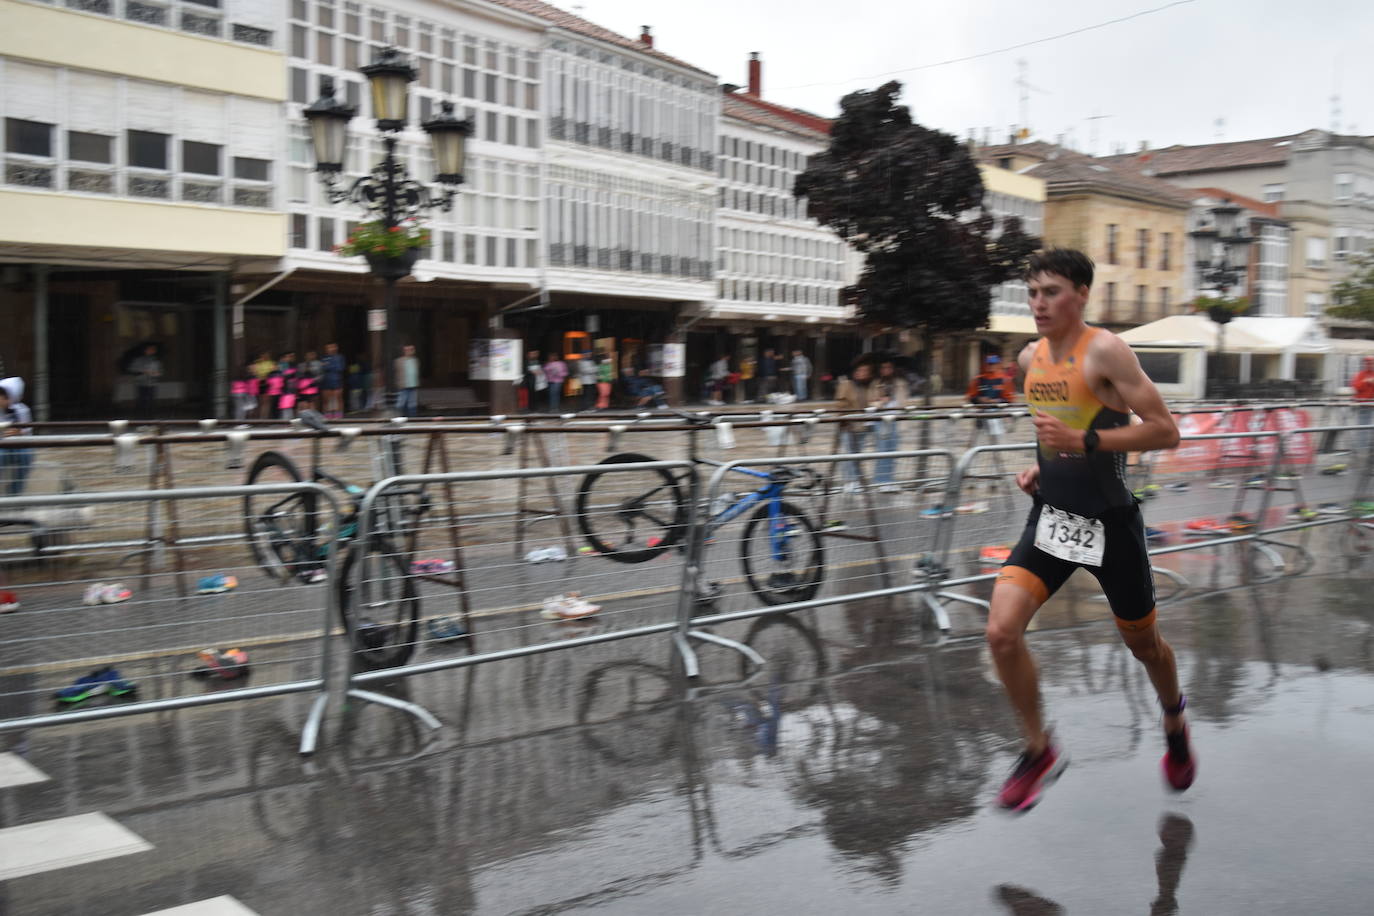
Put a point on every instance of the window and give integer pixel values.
(200, 158)
(32, 138)
(1272, 193)
(1111, 243)
(1316, 304)
(89, 147)
(1316, 252)
(326, 226)
(1166, 241)
(1163, 301)
(252, 169)
(300, 85)
(1140, 294)
(1111, 298)
(1142, 248)
(1162, 367)
(1342, 245)
(298, 230)
(1345, 185)
(147, 150)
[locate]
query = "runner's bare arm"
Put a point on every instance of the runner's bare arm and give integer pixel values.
(1120, 368)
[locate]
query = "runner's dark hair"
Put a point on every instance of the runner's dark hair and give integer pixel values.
(1069, 263)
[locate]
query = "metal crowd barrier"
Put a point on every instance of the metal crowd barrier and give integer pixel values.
(104, 602)
(862, 524)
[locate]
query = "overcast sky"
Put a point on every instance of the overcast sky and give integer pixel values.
(1266, 67)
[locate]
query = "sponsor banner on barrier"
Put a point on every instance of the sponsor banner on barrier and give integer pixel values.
(1213, 454)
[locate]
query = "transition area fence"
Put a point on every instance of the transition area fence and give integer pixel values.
(429, 547)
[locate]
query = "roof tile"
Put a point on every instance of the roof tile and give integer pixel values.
(573, 23)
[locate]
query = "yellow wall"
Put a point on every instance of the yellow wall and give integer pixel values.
(1080, 221)
(36, 218)
(89, 42)
(1001, 181)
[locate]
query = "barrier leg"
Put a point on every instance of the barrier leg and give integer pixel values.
(414, 709)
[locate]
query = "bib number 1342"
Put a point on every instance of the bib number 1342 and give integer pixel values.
(1070, 537)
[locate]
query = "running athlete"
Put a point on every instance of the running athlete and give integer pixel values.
(1082, 384)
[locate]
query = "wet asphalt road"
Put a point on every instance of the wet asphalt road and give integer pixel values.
(854, 774)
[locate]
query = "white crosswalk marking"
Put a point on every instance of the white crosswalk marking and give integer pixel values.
(215, 906)
(16, 771)
(32, 848)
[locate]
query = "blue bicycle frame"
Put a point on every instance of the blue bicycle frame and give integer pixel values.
(770, 491)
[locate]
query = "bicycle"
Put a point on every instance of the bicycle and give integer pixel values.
(286, 542)
(635, 516)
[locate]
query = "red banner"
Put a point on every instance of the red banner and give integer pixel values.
(1220, 454)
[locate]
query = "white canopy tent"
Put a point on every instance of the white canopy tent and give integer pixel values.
(1267, 349)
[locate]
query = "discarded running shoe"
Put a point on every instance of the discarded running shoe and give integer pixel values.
(1156, 535)
(836, 524)
(1204, 526)
(568, 607)
(1149, 491)
(431, 567)
(1030, 777)
(936, 512)
(1240, 523)
(104, 593)
(1222, 484)
(997, 553)
(1178, 486)
(1364, 509)
(216, 584)
(445, 629)
(1301, 514)
(1333, 469)
(1331, 509)
(226, 664)
(102, 680)
(1258, 482)
(546, 555)
(928, 567)
(9, 602)
(975, 508)
(313, 575)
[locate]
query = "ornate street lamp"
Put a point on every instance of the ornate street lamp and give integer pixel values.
(1226, 272)
(388, 192)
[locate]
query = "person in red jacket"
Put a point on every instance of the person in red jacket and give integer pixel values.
(1363, 385)
(992, 386)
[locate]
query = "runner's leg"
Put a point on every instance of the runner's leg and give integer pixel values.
(1014, 603)
(1157, 656)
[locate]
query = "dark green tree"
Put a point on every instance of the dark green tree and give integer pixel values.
(1353, 297)
(911, 200)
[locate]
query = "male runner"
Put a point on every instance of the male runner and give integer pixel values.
(1082, 383)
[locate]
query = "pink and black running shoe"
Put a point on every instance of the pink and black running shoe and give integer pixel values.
(1031, 777)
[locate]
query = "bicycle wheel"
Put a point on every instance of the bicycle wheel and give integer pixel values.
(281, 527)
(383, 616)
(783, 558)
(631, 516)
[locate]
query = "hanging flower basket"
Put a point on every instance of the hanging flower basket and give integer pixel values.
(1221, 310)
(391, 252)
(392, 268)
(1220, 314)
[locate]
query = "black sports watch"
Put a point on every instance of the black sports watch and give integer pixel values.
(1090, 441)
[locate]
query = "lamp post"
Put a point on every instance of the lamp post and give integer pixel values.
(1225, 272)
(388, 193)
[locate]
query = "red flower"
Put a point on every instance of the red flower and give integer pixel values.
(380, 248)
(395, 228)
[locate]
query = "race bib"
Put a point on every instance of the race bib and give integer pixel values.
(1070, 537)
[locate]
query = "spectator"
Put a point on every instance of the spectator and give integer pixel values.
(14, 462)
(605, 376)
(265, 364)
(992, 386)
(331, 381)
(889, 390)
(535, 382)
(768, 374)
(651, 393)
(748, 368)
(360, 383)
(719, 372)
(244, 390)
(311, 365)
(407, 380)
(1363, 386)
(147, 372)
(555, 373)
(852, 396)
(586, 377)
(801, 375)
